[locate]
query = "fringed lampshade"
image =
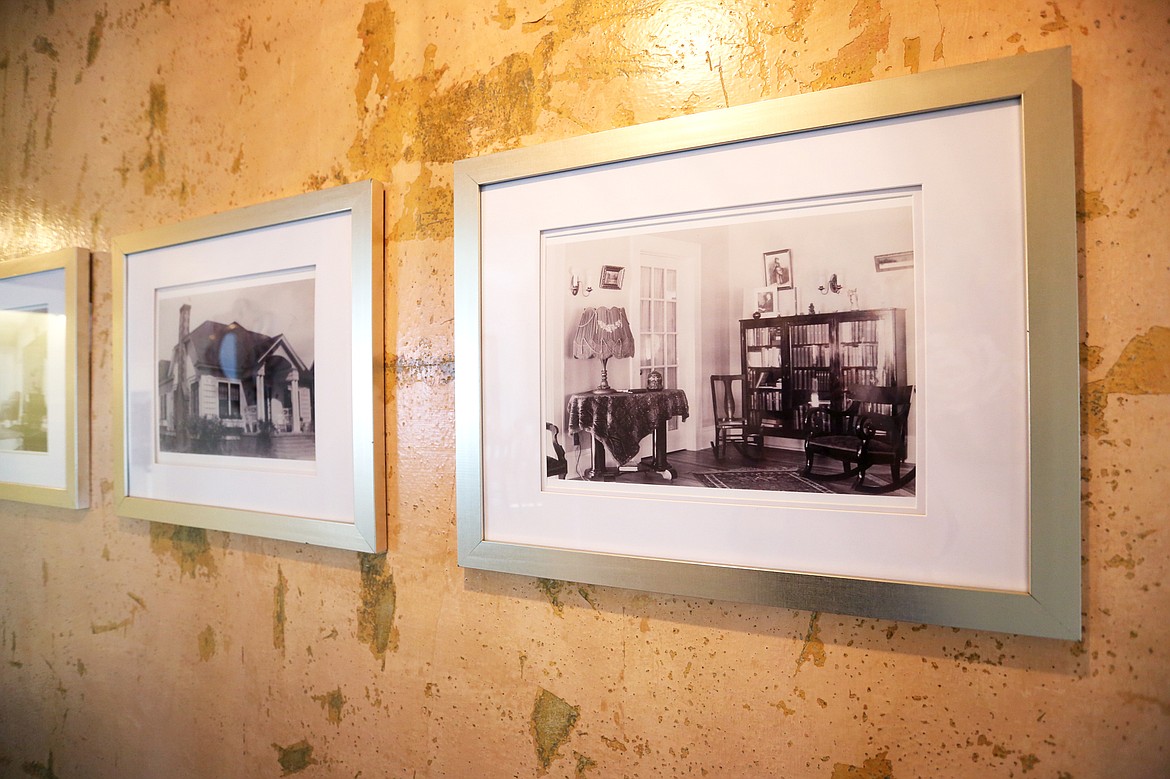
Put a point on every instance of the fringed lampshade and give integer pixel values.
(603, 332)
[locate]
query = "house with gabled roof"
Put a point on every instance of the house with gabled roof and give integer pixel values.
(247, 381)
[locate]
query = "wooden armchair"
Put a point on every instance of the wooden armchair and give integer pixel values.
(871, 431)
(731, 422)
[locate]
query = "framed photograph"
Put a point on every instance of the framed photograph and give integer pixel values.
(963, 370)
(612, 276)
(895, 261)
(248, 356)
(44, 379)
(778, 269)
(767, 301)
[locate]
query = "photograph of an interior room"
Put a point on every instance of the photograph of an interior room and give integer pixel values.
(691, 300)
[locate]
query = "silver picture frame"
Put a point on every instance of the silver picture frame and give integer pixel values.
(50, 287)
(1048, 603)
(293, 453)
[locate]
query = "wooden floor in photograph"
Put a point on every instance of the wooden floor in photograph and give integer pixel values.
(729, 471)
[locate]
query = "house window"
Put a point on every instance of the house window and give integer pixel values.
(229, 400)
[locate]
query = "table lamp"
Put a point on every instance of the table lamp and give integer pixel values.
(603, 332)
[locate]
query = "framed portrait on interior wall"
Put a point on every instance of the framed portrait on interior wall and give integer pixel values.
(44, 379)
(778, 269)
(960, 498)
(612, 276)
(248, 355)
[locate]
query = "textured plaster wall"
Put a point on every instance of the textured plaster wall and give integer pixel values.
(136, 650)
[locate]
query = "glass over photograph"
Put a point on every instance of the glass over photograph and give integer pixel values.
(236, 367)
(24, 419)
(693, 375)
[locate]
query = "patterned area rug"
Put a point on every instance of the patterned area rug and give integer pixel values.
(782, 480)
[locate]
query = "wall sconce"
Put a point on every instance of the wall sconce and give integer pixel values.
(832, 284)
(575, 284)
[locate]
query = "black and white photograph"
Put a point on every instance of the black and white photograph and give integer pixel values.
(690, 376)
(236, 367)
(879, 429)
(778, 269)
(24, 343)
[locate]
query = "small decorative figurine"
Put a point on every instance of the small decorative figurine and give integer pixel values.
(654, 380)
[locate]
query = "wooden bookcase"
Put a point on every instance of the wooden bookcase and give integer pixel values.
(792, 363)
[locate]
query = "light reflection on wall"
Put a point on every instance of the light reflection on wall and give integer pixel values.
(691, 43)
(29, 226)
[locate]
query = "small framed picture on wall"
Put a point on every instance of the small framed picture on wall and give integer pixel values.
(612, 276)
(778, 269)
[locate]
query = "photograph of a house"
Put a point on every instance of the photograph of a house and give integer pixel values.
(236, 369)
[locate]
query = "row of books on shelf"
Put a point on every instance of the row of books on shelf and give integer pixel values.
(811, 356)
(766, 357)
(768, 399)
(855, 355)
(859, 330)
(810, 334)
(762, 336)
(852, 376)
(817, 356)
(811, 379)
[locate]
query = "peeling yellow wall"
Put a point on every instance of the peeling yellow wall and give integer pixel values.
(131, 650)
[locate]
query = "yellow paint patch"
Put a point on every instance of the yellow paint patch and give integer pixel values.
(552, 722)
(1142, 368)
(294, 759)
(188, 546)
(332, 702)
(42, 45)
(427, 211)
(877, 767)
(278, 614)
(552, 591)
(785, 708)
(505, 15)
(801, 11)
(94, 41)
(1090, 205)
(814, 648)
(109, 627)
(379, 600)
(207, 643)
(856, 61)
(584, 763)
(154, 165)
(1090, 356)
(911, 53)
(1058, 22)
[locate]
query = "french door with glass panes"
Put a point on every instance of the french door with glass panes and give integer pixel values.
(664, 320)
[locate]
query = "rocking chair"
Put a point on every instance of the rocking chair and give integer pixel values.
(731, 422)
(871, 431)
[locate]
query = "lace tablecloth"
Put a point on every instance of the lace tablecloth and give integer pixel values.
(620, 420)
